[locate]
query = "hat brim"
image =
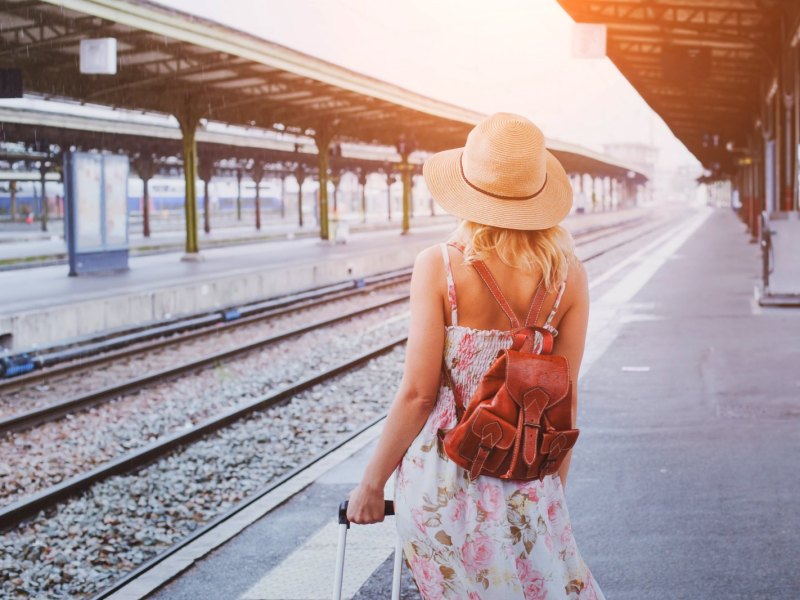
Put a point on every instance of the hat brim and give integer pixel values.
(442, 173)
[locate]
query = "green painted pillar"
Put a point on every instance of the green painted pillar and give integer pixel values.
(258, 174)
(405, 176)
(239, 194)
(144, 164)
(188, 120)
(362, 182)
(206, 171)
(323, 140)
(336, 179)
(300, 176)
(12, 187)
(43, 174)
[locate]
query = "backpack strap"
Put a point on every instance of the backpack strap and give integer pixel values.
(536, 305)
(494, 289)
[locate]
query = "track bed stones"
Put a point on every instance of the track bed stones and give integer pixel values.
(142, 514)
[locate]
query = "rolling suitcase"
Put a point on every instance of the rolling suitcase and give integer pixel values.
(344, 525)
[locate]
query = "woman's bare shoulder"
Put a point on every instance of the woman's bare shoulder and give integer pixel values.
(429, 264)
(577, 288)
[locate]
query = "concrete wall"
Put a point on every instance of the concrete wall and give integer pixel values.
(58, 323)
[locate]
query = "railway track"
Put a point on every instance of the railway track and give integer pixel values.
(24, 420)
(10, 515)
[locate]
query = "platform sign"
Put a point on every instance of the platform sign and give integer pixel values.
(115, 184)
(88, 174)
(96, 188)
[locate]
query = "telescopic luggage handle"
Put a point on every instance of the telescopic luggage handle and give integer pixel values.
(344, 525)
(388, 511)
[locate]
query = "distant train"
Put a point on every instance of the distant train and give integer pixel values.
(165, 194)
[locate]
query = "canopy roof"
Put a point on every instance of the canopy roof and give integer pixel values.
(170, 61)
(703, 65)
(168, 58)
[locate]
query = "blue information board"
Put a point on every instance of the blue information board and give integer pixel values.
(96, 192)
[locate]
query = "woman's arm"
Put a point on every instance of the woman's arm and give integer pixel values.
(416, 395)
(572, 339)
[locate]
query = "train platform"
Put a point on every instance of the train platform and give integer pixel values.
(42, 306)
(25, 246)
(683, 485)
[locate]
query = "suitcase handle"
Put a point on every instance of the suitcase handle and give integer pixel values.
(388, 511)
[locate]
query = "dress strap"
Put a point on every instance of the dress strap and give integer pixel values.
(451, 285)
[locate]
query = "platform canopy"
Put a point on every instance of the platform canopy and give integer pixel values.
(703, 65)
(171, 62)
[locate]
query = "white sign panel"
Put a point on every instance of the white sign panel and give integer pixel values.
(115, 180)
(88, 197)
(99, 56)
(589, 40)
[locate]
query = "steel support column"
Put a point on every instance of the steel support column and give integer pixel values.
(145, 168)
(323, 140)
(258, 174)
(300, 176)
(390, 179)
(43, 168)
(206, 171)
(283, 196)
(188, 119)
(362, 183)
(12, 190)
(238, 194)
(405, 177)
(336, 179)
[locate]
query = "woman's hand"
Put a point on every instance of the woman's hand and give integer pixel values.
(365, 505)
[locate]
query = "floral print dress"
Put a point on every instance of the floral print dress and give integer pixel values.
(488, 538)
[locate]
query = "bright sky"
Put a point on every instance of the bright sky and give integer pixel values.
(507, 55)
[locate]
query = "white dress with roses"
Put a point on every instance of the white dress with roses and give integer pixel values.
(488, 539)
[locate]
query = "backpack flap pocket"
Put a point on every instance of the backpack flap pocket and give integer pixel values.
(487, 442)
(555, 445)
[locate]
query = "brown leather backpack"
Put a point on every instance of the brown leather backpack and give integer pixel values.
(518, 423)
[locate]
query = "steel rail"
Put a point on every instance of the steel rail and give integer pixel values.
(13, 513)
(26, 420)
(118, 584)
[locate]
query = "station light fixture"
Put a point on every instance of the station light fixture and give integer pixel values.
(98, 56)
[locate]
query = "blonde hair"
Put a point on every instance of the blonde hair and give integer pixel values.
(545, 250)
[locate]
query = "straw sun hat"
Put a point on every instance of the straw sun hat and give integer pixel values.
(503, 176)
